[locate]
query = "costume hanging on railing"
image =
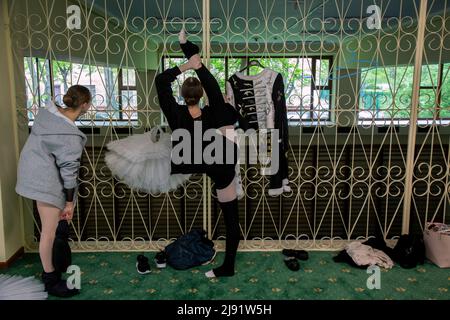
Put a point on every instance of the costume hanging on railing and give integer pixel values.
(142, 161)
(261, 103)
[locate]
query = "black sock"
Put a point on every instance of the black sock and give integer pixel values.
(189, 49)
(230, 213)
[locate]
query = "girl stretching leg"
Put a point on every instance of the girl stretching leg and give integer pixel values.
(217, 115)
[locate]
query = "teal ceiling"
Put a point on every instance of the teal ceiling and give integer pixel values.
(254, 21)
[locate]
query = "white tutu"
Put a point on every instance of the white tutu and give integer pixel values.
(20, 288)
(143, 161)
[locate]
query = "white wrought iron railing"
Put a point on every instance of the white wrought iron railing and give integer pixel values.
(368, 93)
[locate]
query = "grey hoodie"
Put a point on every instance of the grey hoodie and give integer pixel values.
(50, 159)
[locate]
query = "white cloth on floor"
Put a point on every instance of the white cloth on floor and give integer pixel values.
(143, 162)
(364, 255)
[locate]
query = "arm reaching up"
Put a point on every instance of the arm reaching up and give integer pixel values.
(163, 83)
(209, 83)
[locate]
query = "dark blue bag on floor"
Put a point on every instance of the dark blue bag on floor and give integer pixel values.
(190, 250)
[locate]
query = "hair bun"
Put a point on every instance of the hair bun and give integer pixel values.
(76, 96)
(68, 100)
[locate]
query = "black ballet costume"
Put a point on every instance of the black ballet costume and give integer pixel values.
(214, 116)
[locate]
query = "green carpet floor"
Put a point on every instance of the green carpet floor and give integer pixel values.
(260, 275)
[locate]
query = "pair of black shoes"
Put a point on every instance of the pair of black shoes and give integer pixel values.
(292, 256)
(143, 266)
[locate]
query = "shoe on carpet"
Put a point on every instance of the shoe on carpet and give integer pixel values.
(161, 260)
(299, 254)
(142, 265)
(292, 263)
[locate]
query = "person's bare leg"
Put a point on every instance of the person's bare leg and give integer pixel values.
(54, 285)
(230, 133)
(50, 217)
(228, 194)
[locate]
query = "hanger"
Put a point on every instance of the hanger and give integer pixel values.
(252, 63)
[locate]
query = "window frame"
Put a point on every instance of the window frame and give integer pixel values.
(35, 62)
(121, 87)
(314, 86)
(437, 88)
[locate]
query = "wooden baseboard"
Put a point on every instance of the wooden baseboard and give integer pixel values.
(17, 255)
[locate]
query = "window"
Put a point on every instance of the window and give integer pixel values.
(307, 84)
(176, 86)
(386, 92)
(128, 99)
(113, 90)
(434, 92)
(101, 81)
(307, 81)
(37, 84)
(444, 111)
(168, 63)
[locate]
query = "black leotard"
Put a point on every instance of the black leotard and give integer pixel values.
(214, 116)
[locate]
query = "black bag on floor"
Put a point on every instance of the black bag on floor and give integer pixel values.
(62, 255)
(409, 251)
(190, 250)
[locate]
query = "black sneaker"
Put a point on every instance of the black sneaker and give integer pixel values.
(299, 254)
(142, 265)
(161, 260)
(292, 263)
